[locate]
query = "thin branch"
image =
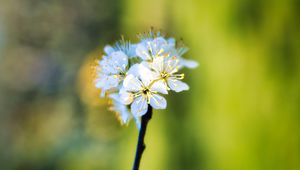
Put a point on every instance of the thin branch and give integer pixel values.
(141, 144)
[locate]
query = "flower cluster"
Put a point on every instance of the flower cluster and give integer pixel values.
(135, 76)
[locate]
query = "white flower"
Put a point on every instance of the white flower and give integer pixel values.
(178, 52)
(126, 47)
(112, 70)
(182, 61)
(144, 90)
(166, 69)
(135, 75)
(150, 49)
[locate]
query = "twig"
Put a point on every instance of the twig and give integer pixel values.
(141, 145)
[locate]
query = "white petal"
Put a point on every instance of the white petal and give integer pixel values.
(177, 85)
(115, 96)
(132, 83)
(146, 75)
(159, 86)
(125, 116)
(158, 64)
(131, 51)
(137, 122)
(125, 97)
(158, 102)
(99, 82)
(134, 70)
(139, 106)
(119, 61)
(111, 82)
(102, 94)
(159, 40)
(172, 42)
(171, 65)
(188, 63)
(107, 82)
(108, 49)
(142, 52)
(158, 45)
(106, 66)
(122, 112)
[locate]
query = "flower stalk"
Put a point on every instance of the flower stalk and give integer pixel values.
(141, 144)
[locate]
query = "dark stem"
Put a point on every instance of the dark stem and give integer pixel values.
(141, 145)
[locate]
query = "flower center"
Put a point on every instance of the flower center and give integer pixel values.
(164, 75)
(145, 91)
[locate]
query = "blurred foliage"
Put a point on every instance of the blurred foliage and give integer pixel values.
(242, 111)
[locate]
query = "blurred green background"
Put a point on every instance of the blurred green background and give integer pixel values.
(242, 112)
